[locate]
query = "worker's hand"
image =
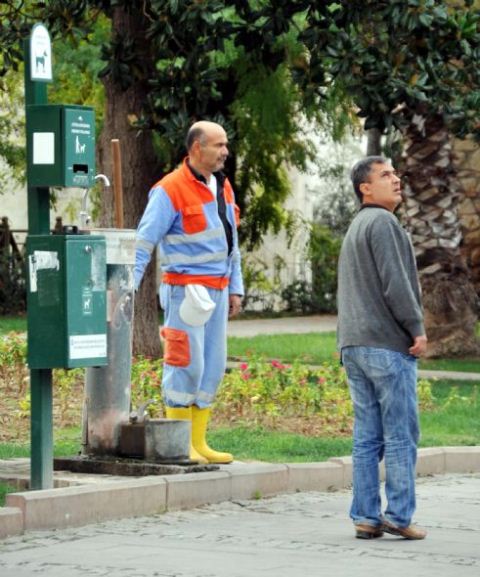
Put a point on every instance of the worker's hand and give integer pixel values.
(419, 347)
(235, 305)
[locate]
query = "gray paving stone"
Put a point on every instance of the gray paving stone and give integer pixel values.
(292, 535)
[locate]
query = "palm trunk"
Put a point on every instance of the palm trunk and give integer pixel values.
(468, 155)
(432, 191)
(139, 168)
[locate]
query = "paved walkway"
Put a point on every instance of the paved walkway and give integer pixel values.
(293, 535)
(310, 324)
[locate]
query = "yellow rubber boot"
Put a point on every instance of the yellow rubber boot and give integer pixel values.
(200, 418)
(185, 413)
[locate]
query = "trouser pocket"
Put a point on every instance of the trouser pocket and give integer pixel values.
(176, 348)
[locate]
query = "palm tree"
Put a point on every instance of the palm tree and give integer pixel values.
(433, 191)
(412, 67)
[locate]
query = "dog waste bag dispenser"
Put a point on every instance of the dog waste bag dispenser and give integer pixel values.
(61, 149)
(67, 324)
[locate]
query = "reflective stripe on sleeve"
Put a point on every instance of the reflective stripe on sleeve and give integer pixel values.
(196, 237)
(148, 246)
(197, 259)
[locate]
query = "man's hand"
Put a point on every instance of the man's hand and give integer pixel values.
(235, 305)
(419, 347)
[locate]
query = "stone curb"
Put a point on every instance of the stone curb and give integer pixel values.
(11, 521)
(85, 504)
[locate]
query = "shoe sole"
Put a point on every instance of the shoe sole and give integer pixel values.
(368, 534)
(400, 533)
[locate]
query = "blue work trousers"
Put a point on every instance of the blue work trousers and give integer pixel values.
(194, 357)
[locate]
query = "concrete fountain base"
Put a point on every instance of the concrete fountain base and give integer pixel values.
(128, 467)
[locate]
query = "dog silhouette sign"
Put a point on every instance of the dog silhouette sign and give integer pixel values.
(40, 54)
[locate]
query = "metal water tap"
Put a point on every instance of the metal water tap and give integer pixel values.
(140, 415)
(104, 179)
(84, 216)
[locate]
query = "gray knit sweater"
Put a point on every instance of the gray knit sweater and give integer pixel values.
(379, 302)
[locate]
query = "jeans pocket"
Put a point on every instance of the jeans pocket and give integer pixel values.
(381, 362)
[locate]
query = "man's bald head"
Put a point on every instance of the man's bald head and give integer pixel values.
(207, 147)
(200, 131)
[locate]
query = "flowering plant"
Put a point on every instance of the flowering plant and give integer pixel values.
(270, 393)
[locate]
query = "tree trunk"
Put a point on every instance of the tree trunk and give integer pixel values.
(432, 190)
(374, 142)
(139, 167)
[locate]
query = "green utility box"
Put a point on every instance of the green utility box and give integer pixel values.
(60, 145)
(67, 317)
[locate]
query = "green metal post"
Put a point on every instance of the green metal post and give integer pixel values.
(41, 464)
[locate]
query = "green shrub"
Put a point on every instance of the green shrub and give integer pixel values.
(261, 287)
(323, 251)
(298, 297)
(320, 294)
(146, 384)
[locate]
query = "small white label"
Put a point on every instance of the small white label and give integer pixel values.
(41, 260)
(32, 268)
(46, 259)
(88, 346)
(43, 148)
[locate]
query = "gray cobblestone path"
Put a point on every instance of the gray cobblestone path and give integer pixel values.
(291, 535)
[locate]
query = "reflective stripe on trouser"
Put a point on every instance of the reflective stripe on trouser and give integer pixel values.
(196, 380)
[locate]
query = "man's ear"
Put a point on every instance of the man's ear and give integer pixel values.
(364, 188)
(195, 148)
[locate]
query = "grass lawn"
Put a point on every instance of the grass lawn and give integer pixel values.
(315, 348)
(67, 442)
(458, 423)
(8, 324)
(461, 365)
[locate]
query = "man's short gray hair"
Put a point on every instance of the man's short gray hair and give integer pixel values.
(361, 171)
(195, 133)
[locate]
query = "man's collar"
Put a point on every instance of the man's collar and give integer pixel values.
(371, 205)
(199, 176)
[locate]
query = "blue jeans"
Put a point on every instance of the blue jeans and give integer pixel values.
(383, 387)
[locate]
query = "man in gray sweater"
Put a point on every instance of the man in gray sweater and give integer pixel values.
(380, 335)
